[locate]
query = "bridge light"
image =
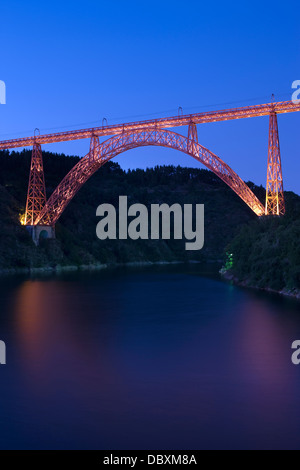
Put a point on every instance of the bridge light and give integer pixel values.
(22, 218)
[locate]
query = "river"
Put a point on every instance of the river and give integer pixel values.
(157, 358)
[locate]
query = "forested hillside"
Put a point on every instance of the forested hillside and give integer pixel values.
(266, 252)
(76, 242)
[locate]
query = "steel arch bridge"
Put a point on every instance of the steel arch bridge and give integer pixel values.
(41, 213)
(102, 153)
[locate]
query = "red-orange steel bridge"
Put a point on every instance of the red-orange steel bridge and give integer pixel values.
(40, 212)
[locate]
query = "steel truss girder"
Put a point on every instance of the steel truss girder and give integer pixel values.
(160, 123)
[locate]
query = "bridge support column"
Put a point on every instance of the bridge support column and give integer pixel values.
(36, 197)
(192, 138)
(94, 148)
(275, 204)
(40, 232)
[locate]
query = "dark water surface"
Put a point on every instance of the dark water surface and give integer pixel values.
(158, 358)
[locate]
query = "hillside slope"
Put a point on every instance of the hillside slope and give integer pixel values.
(76, 242)
(266, 252)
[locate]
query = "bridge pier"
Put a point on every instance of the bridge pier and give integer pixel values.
(40, 232)
(36, 197)
(275, 204)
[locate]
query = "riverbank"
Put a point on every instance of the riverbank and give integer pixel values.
(91, 267)
(293, 293)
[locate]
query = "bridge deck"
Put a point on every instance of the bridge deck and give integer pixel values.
(161, 123)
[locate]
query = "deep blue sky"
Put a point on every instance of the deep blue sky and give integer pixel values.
(68, 64)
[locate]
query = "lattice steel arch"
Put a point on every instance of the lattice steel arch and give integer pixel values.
(112, 147)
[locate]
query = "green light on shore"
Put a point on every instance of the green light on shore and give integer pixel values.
(229, 261)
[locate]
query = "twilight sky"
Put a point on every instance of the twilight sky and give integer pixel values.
(69, 64)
